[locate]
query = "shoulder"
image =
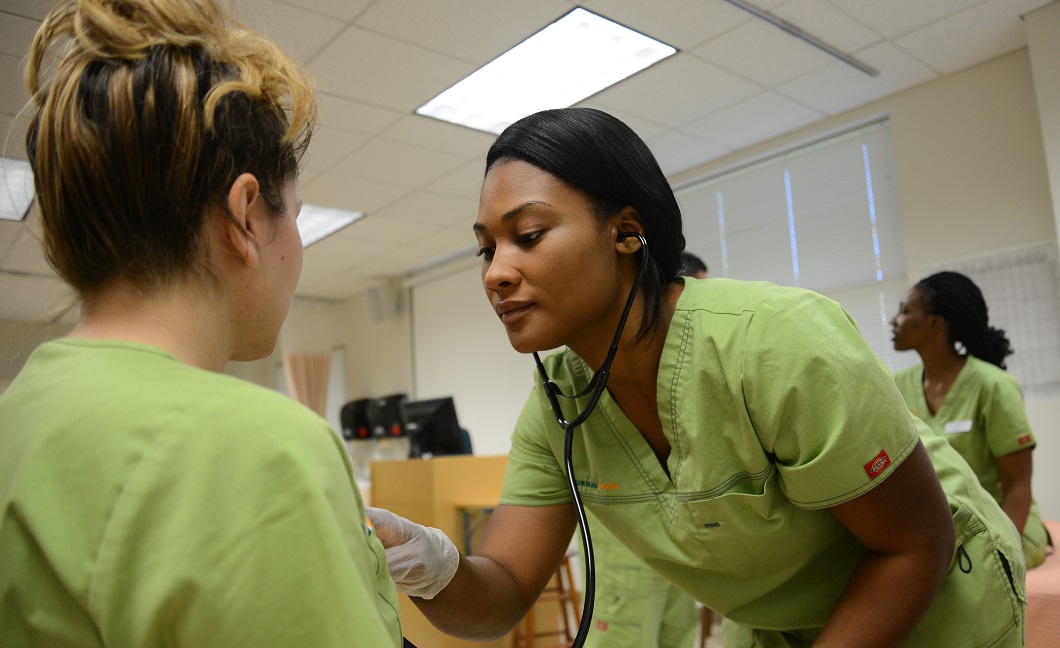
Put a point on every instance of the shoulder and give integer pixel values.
(734, 296)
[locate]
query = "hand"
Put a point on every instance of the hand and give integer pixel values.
(421, 560)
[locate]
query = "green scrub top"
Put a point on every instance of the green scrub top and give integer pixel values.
(983, 418)
(775, 410)
(148, 503)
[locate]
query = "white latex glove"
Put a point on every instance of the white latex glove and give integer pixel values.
(421, 560)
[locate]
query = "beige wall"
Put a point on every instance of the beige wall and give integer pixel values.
(1043, 37)
(378, 352)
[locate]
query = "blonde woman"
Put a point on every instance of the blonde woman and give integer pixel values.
(147, 499)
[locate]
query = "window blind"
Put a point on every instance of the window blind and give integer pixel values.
(823, 216)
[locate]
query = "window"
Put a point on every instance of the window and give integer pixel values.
(823, 217)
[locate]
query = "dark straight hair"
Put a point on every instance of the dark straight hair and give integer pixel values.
(956, 299)
(600, 156)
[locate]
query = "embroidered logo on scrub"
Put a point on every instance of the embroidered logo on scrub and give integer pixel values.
(585, 483)
(878, 464)
(1025, 439)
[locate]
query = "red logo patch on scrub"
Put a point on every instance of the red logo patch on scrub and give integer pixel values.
(601, 626)
(878, 464)
(1025, 439)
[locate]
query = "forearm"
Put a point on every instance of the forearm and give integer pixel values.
(884, 600)
(481, 603)
(1017, 503)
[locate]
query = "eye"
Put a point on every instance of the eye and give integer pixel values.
(486, 253)
(529, 238)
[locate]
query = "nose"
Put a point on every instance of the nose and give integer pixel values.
(893, 321)
(500, 273)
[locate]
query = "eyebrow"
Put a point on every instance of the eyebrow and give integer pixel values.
(512, 213)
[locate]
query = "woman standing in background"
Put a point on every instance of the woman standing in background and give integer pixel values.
(145, 498)
(967, 396)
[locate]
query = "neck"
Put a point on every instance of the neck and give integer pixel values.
(941, 362)
(636, 364)
(188, 320)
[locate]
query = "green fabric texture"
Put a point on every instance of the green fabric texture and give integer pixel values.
(149, 503)
(635, 607)
(775, 409)
(983, 418)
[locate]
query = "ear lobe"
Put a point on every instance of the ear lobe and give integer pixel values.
(242, 223)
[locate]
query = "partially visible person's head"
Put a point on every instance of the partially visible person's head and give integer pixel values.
(143, 114)
(693, 266)
(604, 159)
(956, 299)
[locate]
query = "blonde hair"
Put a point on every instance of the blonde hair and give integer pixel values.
(143, 113)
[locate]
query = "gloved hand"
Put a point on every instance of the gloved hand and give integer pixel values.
(421, 560)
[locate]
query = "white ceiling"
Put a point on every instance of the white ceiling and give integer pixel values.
(736, 81)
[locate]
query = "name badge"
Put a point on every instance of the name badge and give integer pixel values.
(953, 427)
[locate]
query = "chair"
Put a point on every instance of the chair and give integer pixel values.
(560, 590)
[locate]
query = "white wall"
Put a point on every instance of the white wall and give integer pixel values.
(461, 349)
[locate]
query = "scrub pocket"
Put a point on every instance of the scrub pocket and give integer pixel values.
(982, 601)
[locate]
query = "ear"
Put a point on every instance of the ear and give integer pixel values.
(244, 226)
(627, 220)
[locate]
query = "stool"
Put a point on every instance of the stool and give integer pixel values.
(560, 590)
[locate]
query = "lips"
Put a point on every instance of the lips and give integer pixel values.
(511, 311)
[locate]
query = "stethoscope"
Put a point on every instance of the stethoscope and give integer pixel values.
(595, 389)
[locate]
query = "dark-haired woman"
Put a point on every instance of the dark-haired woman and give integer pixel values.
(967, 396)
(749, 446)
(146, 499)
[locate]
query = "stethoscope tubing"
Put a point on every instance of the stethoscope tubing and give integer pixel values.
(595, 389)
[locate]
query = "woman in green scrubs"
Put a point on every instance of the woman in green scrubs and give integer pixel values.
(749, 447)
(146, 499)
(961, 389)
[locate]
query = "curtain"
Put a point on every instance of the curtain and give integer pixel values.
(307, 379)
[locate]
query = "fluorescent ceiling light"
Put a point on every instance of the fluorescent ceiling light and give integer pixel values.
(16, 188)
(315, 223)
(573, 58)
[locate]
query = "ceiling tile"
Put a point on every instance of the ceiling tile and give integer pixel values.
(762, 53)
(384, 72)
(465, 182)
(641, 127)
(396, 163)
(677, 151)
(824, 21)
(14, 96)
(434, 209)
(35, 299)
(753, 120)
(329, 145)
(476, 31)
(344, 10)
(16, 34)
(25, 255)
(344, 249)
(945, 45)
(838, 86)
(896, 17)
(13, 136)
(35, 9)
(299, 32)
(683, 24)
(441, 136)
(353, 115)
(677, 91)
(349, 193)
